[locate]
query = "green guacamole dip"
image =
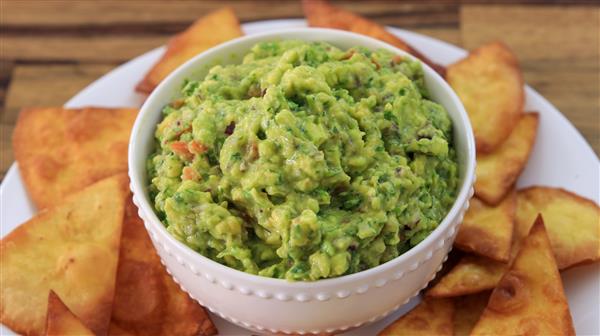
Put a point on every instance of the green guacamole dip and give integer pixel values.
(305, 161)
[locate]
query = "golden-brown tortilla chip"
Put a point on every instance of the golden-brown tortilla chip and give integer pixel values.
(472, 274)
(490, 85)
(573, 226)
(208, 31)
(60, 321)
(115, 330)
(487, 230)
(320, 13)
(430, 317)
(467, 311)
(572, 223)
(60, 151)
(147, 300)
(72, 249)
(497, 172)
(454, 257)
(529, 300)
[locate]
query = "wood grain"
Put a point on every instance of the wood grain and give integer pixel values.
(6, 154)
(52, 49)
(535, 33)
(109, 49)
(85, 13)
(47, 85)
(6, 68)
(559, 52)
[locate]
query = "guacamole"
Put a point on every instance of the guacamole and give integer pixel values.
(304, 161)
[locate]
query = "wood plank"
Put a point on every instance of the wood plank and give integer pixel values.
(96, 18)
(75, 13)
(6, 154)
(107, 13)
(114, 48)
(6, 68)
(534, 32)
(47, 85)
(406, 14)
(561, 60)
(573, 88)
(110, 49)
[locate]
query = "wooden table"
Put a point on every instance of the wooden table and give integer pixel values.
(52, 49)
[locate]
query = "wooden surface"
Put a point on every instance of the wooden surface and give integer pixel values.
(49, 50)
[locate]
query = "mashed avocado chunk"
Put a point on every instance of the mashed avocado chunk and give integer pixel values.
(304, 161)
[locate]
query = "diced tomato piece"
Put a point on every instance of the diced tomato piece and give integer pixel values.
(196, 147)
(180, 148)
(188, 173)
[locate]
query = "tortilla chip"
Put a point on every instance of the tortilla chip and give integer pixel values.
(497, 172)
(208, 31)
(573, 228)
(430, 317)
(60, 321)
(472, 274)
(60, 151)
(320, 13)
(147, 300)
(454, 257)
(71, 249)
(467, 311)
(487, 230)
(490, 85)
(115, 330)
(529, 300)
(572, 223)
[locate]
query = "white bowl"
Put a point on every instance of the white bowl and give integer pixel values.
(274, 305)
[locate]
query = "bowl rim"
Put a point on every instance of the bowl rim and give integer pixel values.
(151, 218)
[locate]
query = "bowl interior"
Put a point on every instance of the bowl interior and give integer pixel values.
(142, 138)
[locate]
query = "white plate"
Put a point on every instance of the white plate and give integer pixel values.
(561, 158)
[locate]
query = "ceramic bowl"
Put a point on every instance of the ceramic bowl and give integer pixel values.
(273, 305)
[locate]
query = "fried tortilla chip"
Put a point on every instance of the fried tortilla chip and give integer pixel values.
(320, 13)
(472, 274)
(72, 249)
(467, 311)
(60, 321)
(529, 300)
(183, 309)
(430, 317)
(454, 256)
(115, 330)
(208, 31)
(487, 230)
(490, 85)
(572, 223)
(147, 300)
(60, 151)
(573, 226)
(497, 172)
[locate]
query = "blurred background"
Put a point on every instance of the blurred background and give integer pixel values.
(50, 50)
